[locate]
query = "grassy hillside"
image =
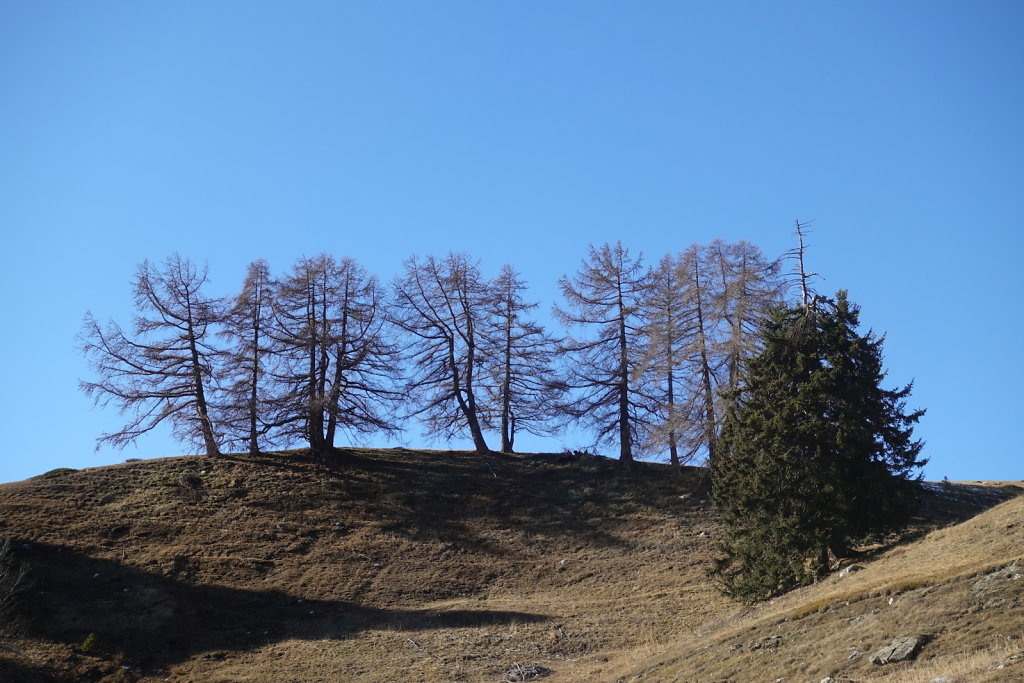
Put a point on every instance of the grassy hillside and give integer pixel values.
(957, 586)
(441, 566)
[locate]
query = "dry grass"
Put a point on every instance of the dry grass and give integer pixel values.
(440, 566)
(926, 587)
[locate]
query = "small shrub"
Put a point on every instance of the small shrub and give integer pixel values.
(91, 645)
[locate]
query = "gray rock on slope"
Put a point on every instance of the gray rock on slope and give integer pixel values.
(1010, 572)
(900, 649)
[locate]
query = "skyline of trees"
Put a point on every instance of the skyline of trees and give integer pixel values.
(325, 348)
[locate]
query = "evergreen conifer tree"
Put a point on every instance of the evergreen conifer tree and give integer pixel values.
(814, 454)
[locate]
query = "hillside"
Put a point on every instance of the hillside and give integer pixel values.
(441, 566)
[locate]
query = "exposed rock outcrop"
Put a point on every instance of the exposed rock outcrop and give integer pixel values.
(900, 649)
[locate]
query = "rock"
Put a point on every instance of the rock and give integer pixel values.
(1002, 663)
(993, 580)
(767, 642)
(900, 649)
(526, 672)
(849, 570)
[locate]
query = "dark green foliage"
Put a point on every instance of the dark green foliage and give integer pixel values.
(814, 455)
(91, 645)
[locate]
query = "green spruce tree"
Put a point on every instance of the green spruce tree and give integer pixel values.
(814, 454)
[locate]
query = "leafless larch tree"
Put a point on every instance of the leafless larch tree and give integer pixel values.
(334, 366)
(442, 305)
(162, 371)
(602, 304)
(701, 315)
(523, 392)
(246, 326)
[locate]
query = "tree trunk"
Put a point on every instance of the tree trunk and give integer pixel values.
(506, 390)
(673, 441)
(511, 434)
(254, 445)
(205, 425)
(465, 398)
(705, 371)
(339, 374)
(314, 410)
(625, 437)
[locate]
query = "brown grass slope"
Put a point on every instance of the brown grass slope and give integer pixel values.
(401, 565)
(958, 586)
(389, 565)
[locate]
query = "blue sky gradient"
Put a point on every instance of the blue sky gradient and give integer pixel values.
(517, 132)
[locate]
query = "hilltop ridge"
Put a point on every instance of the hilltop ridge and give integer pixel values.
(422, 565)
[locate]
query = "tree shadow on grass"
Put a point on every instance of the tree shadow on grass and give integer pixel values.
(11, 670)
(152, 620)
(541, 495)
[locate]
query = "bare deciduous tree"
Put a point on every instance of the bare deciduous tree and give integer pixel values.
(668, 329)
(799, 275)
(442, 305)
(749, 286)
(335, 367)
(701, 359)
(523, 393)
(247, 322)
(603, 299)
(701, 316)
(162, 371)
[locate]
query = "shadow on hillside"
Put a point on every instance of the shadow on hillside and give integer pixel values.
(11, 670)
(541, 496)
(941, 505)
(154, 620)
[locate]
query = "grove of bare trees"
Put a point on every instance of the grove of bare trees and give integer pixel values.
(701, 315)
(323, 349)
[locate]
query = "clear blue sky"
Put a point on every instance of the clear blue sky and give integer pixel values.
(517, 132)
